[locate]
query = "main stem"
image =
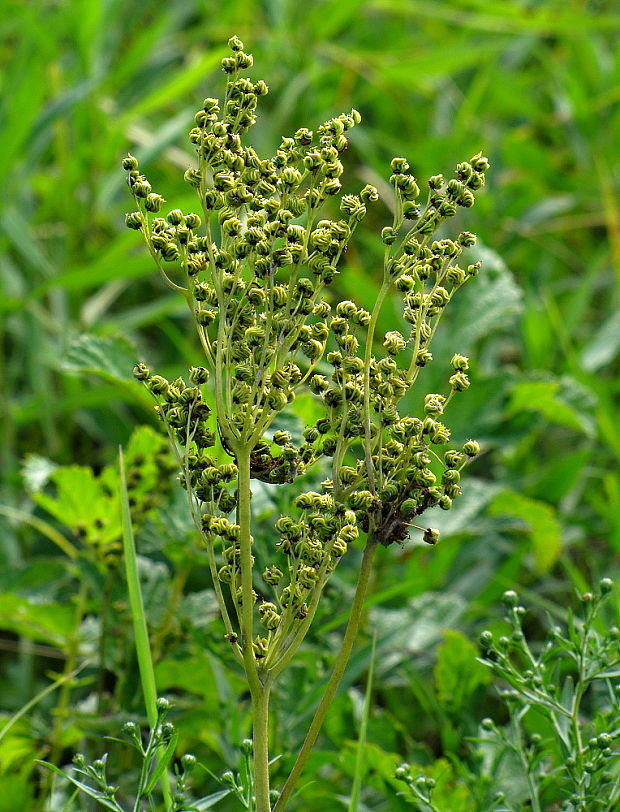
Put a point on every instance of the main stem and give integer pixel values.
(258, 691)
(260, 738)
(340, 665)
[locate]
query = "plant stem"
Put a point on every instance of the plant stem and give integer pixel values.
(260, 737)
(367, 358)
(340, 665)
(244, 520)
(258, 691)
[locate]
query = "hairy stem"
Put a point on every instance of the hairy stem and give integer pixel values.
(336, 676)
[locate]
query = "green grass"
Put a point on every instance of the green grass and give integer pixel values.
(535, 85)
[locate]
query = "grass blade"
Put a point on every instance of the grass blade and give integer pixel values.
(141, 634)
(361, 742)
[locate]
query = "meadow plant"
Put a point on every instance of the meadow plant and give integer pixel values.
(258, 268)
(571, 683)
(554, 745)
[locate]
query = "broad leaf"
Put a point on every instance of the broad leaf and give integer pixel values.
(542, 523)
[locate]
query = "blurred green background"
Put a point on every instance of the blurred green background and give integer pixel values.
(534, 85)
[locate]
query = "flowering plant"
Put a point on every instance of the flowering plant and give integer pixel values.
(256, 267)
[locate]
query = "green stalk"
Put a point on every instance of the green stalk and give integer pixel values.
(141, 634)
(340, 665)
(258, 691)
(358, 775)
(260, 738)
(367, 357)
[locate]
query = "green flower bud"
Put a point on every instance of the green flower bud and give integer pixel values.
(235, 44)
(423, 357)
(133, 220)
(129, 162)
(260, 647)
(141, 188)
(188, 762)
(510, 598)
(486, 639)
(158, 385)
(268, 615)
(402, 772)
(479, 162)
(388, 235)
(169, 252)
(153, 202)
(430, 536)
(273, 575)
(307, 577)
(175, 217)
(198, 375)
(399, 165)
(141, 372)
(459, 381)
(471, 448)
(459, 362)
(362, 500)
(435, 182)
(452, 458)
(445, 503)
(369, 194)
(192, 220)
(394, 342)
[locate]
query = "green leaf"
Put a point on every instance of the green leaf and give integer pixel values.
(458, 673)
(546, 398)
(111, 357)
(163, 763)
(542, 523)
(489, 303)
(210, 800)
(84, 503)
(604, 346)
(47, 622)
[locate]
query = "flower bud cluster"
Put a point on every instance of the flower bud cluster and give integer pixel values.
(255, 267)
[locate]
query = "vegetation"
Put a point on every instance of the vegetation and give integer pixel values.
(532, 86)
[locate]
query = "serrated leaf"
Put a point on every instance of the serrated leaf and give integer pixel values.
(458, 673)
(46, 622)
(558, 401)
(540, 518)
(111, 357)
(83, 503)
(490, 302)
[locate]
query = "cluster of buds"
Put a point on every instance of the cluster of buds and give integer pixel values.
(255, 269)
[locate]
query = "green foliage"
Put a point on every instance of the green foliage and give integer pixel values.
(457, 673)
(563, 706)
